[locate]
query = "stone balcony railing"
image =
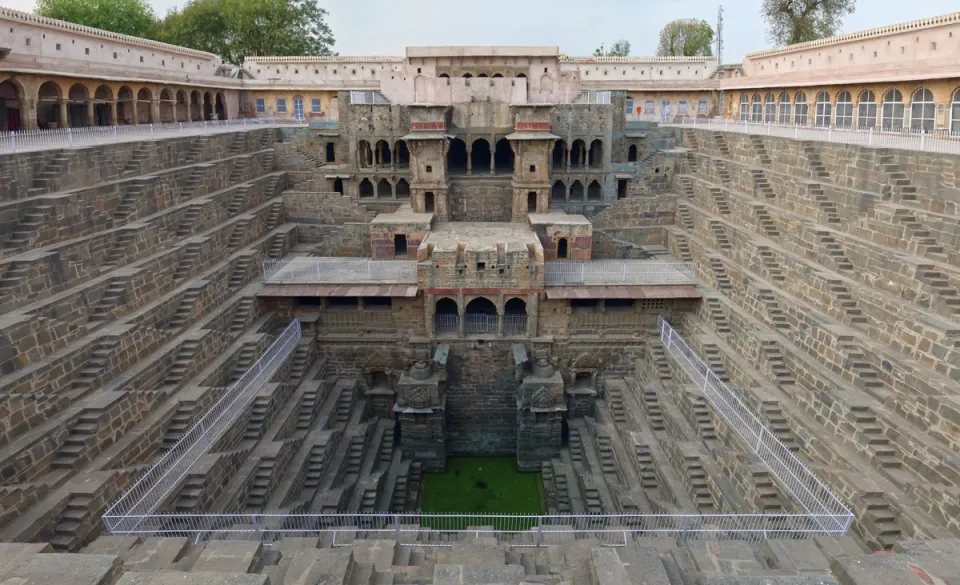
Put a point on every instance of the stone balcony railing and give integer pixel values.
(614, 272)
(339, 270)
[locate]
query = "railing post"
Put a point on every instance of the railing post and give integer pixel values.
(870, 137)
(922, 137)
(70, 136)
(539, 530)
(13, 142)
(796, 130)
(116, 132)
(396, 523)
(829, 133)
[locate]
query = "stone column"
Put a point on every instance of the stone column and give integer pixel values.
(91, 113)
(470, 161)
(28, 115)
(566, 156)
(64, 114)
(133, 112)
(155, 111)
(493, 154)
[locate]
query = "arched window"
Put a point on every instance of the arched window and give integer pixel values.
(891, 111)
(457, 156)
(923, 112)
(481, 316)
(559, 154)
(769, 109)
(824, 110)
(384, 189)
(955, 113)
(558, 193)
(800, 109)
(744, 108)
(866, 110)
(298, 107)
(366, 189)
(757, 109)
(515, 316)
(784, 114)
(844, 115)
(446, 316)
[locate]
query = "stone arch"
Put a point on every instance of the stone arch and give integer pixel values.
(954, 126)
(49, 95)
(558, 193)
(823, 110)
(13, 98)
(77, 109)
(800, 109)
(384, 189)
(757, 109)
(196, 106)
(403, 189)
(843, 113)
(126, 106)
(866, 109)
(402, 157)
(457, 156)
(769, 109)
(578, 154)
(482, 75)
(480, 155)
(182, 107)
(503, 158)
(338, 185)
(515, 316)
(576, 191)
(498, 75)
(468, 76)
(595, 155)
(594, 191)
(923, 112)
(145, 106)
(102, 106)
(381, 152)
(783, 112)
(446, 315)
(744, 108)
(366, 189)
(892, 111)
(207, 106)
(443, 76)
(632, 153)
(220, 107)
(559, 154)
(364, 154)
(562, 248)
(521, 76)
(168, 112)
(480, 316)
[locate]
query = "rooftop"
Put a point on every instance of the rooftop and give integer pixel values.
(447, 236)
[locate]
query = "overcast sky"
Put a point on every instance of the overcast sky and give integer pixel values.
(385, 27)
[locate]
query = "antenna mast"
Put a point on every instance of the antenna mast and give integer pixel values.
(720, 105)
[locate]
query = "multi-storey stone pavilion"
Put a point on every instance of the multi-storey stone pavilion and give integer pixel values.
(246, 311)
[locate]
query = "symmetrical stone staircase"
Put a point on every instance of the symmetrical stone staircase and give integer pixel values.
(772, 307)
(720, 235)
(720, 200)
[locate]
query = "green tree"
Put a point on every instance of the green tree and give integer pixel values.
(797, 21)
(234, 29)
(129, 17)
(686, 37)
(620, 48)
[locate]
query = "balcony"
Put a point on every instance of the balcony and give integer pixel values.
(614, 272)
(340, 270)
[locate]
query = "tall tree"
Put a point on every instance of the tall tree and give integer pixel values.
(686, 37)
(620, 48)
(234, 29)
(129, 17)
(796, 21)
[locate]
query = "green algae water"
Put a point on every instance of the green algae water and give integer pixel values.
(482, 485)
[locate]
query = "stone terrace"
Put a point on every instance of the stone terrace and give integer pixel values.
(834, 272)
(479, 560)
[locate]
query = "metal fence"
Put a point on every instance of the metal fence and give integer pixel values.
(368, 97)
(618, 272)
(941, 141)
(480, 323)
(515, 324)
(794, 476)
(29, 140)
(518, 530)
(345, 270)
(446, 323)
(141, 500)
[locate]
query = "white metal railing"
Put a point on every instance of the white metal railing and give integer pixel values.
(29, 140)
(480, 323)
(941, 140)
(446, 323)
(806, 488)
(345, 270)
(368, 97)
(593, 97)
(149, 492)
(574, 273)
(518, 530)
